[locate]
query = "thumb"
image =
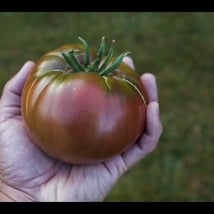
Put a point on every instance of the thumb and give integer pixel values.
(11, 95)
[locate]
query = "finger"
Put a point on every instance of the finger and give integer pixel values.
(149, 82)
(13, 88)
(129, 61)
(153, 123)
(17, 82)
(147, 143)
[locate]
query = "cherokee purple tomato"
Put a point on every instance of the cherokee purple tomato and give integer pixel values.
(81, 107)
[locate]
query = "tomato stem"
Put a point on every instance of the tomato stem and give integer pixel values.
(87, 52)
(100, 54)
(114, 65)
(108, 58)
(100, 65)
(72, 61)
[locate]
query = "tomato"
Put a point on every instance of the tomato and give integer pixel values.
(83, 107)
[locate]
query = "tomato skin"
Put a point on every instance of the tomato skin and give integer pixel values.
(82, 117)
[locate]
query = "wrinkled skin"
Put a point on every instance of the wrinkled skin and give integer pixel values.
(82, 117)
(28, 174)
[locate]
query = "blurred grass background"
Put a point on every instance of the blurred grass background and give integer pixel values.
(179, 49)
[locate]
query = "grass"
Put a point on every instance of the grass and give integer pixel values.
(178, 48)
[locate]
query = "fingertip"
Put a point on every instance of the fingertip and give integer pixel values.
(16, 83)
(28, 63)
(25, 69)
(129, 61)
(149, 82)
(148, 76)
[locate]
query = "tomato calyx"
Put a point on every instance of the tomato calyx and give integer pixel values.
(103, 65)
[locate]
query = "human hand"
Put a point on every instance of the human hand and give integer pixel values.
(28, 174)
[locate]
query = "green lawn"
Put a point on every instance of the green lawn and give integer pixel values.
(179, 49)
